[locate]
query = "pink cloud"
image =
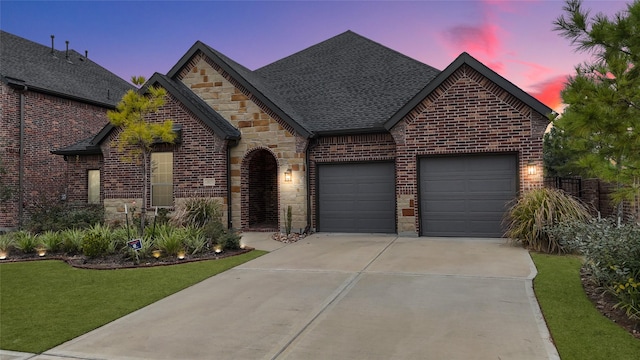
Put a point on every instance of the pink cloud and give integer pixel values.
(548, 92)
(481, 39)
(535, 71)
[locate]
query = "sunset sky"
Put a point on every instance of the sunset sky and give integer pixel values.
(513, 37)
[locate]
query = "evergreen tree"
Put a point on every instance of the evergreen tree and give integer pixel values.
(137, 134)
(602, 118)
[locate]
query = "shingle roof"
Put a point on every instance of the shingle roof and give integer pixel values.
(83, 147)
(196, 105)
(29, 63)
(347, 83)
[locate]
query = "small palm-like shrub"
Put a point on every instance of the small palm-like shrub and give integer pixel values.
(170, 242)
(536, 209)
(50, 240)
(25, 241)
(72, 240)
(6, 242)
(197, 212)
(193, 239)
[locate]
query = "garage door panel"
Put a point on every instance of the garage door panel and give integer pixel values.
(466, 195)
(356, 197)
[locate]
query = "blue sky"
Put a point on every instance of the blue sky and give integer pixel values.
(513, 37)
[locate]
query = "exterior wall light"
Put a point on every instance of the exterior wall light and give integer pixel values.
(532, 169)
(287, 175)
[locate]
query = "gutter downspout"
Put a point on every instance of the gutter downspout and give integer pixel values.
(230, 144)
(307, 161)
(21, 160)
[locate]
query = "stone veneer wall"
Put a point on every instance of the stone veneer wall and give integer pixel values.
(467, 114)
(260, 129)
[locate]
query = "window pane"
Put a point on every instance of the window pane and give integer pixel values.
(93, 186)
(162, 179)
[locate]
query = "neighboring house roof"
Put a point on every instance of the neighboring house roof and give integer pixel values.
(347, 83)
(24, 62)
(466, 59)
(252, 82)
(84, 147)
(192, 102)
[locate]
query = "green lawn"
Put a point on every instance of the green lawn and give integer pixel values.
(579, 331)
(45, 303)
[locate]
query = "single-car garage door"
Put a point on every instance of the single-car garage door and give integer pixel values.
(357, 197)
(466, 195)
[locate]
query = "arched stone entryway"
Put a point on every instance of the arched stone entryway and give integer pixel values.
(260, 191)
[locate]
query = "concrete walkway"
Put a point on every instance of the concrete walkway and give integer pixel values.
(336, 296)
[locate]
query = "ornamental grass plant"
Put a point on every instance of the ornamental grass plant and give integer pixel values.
(527, 219)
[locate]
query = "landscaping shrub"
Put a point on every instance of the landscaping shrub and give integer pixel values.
(170, 242)
(25, 241)
(50, 214)
(197, 212)
(51, 240)
(216, 234)
(612, 256)
(193, 239)
(534, 211)
(96, 241)
(6, 242)
(72, 240)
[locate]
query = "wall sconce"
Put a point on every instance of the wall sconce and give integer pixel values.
(287, 175)
(532, 169)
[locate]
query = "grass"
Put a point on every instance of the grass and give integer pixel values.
(45, 303)
(577, 327)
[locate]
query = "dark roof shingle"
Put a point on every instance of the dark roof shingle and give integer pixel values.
(29, 63)
(347, 83)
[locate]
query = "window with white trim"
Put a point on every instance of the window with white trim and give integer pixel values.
(162, 179)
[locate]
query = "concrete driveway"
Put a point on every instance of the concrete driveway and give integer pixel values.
(337, 296)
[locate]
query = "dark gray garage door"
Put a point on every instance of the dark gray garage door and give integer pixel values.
(466, 195)
(356, 197)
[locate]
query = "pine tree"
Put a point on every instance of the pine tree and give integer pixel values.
(138, 134)
(602, 118)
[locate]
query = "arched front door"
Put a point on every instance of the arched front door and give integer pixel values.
(261, 207)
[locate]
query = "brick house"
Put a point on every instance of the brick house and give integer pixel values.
(48, 99)
(354, 136)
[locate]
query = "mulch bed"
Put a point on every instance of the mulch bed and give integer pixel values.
(112, 262)
(605, 303)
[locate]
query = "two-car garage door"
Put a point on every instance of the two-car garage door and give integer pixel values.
(463, 195)
(466, 195)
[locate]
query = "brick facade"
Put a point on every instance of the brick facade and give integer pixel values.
(50, 123)
(467, 114)
(200, 154)
(348, 148)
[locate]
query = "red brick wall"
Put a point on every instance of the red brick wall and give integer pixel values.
(50, 123)
(200, 154)
(347, 148)
(76, 179)
(468, 114)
